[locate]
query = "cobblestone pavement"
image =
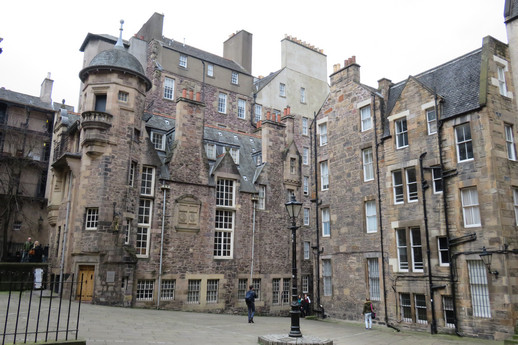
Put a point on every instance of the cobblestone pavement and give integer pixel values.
(113, 326)
(110, 325)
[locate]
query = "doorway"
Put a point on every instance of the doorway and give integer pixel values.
(86, 276)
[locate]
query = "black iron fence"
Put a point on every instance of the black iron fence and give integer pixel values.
(38, 309)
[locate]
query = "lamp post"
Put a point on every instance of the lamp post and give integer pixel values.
(293, 208)
(486, 258)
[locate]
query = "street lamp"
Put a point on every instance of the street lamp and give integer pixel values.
(487, 258)
(293, 208)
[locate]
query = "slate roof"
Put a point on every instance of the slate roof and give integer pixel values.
(117, 58)
(23, 99)
(247, 144)
(510, 10)
(260, 83)
(203, 55)
(102, 37)
(457, 82)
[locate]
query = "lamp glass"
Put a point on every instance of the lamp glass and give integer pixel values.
(486, 257)
(293, 207)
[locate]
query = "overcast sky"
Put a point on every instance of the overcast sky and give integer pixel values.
(390, 38)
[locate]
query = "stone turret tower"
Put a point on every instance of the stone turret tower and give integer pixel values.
(105, 185)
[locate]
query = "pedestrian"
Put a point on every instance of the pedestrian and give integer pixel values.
(27, 246)
(37, 252)
(250, 303)
(367, 313)
(300, 303)
(306, 304)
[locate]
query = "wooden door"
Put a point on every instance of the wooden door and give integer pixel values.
(86, 276)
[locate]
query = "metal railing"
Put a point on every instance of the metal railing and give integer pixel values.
(39, 310)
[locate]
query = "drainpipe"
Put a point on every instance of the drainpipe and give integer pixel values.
(62, 265)
(314, 124)
(254, 201)
(164, 190)
(424, 187)
(445, 205)
(382, 247)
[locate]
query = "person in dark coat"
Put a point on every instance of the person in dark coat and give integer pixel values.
(250, 303)
(38, 253)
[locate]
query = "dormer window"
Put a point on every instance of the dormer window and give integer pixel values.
(158, 140)
(235, 154)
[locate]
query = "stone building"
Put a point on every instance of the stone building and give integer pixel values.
(169, 190)
(25, 136)
(430, 165)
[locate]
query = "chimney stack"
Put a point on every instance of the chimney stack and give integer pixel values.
(46, 89)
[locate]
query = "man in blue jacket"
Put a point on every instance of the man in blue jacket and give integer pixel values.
(250, 303)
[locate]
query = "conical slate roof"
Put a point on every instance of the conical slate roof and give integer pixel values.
(115, 59)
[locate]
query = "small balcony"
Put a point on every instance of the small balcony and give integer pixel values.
(96, 120)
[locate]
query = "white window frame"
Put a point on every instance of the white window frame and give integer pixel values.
(193, 291)
(324, 175)
(145, 290)
(241, 108)
(447, 307)
(210, 149)
(368, 166)
(305, 155)
(502, 85)
(127, 231)
(234, 78)
(306, 215)
(416, 244)
(431, 121)
(442, 248)
(147, 182)
(438, 185)
(398, 188)
(420, 309)
(282, 90)
(464, 142)
(322, 129)
(210, 70)
(515, 201)
(261, 202)
(402, 249)
(167, 290)
(305, 122)
(401, 130)
(305, 283)
(479, 289)
(307, 250)
(306, 185)
(366, 118)
(302, 95)
(225, 219)
(132, 173)
(371, 219)
(91, 218)
(326, 222)
(169, 88)
(222, 103)
(182, 61)
(123, 96)
(212, 291)
(158, 140)
(406, 308)
(470, 207)
(258, 111)
(327, 275)
(411, 185)
(234, 153)
(509, 139)
(374, 278)
(144, 218)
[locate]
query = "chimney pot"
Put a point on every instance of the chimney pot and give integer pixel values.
(184, 93)
(288, 109)
(198, 96)
(191, 93)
